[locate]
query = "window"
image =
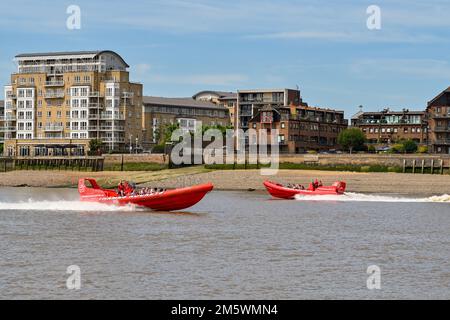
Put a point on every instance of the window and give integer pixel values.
(283, 125)
(49, 114)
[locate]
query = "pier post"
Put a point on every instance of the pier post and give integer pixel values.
(423, 166)
(404, 165)
(414, 166)
(432, 166)
(442, 166)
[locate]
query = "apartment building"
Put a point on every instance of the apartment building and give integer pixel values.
(57, 102)
(188, 113)
(2, 115)
(438, 111)
(221, 98)
(301, 128)
(249, 102)
(388, 126)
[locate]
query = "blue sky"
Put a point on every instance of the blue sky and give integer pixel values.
(177, 47)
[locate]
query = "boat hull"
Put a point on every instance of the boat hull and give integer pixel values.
(282, 192)
(168, 200)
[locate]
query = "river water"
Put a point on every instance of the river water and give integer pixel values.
(231, 245)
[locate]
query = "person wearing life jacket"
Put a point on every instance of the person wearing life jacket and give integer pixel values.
(316, 183)
(128, 189)
(311, 187)
(121, 189)
(320, 183)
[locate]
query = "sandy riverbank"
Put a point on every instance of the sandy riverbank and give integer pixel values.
(238, 179)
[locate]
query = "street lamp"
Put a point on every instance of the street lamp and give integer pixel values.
(137, 144)
(131, 144)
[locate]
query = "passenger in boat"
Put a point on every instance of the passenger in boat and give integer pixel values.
(311, 186)
(316, 183)
(121, 189)
(128, 189)
(320, 183)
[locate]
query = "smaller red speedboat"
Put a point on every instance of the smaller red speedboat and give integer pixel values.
(162, 200)
(279, 191)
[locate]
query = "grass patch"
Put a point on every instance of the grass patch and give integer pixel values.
(135, 166)
(303, 166)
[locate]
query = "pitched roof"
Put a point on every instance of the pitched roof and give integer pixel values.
(439, 95)
(180, 102)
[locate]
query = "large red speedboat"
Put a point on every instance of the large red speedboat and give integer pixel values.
(279, 191)
(165, 200)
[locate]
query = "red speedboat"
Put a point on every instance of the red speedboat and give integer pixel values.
(166, 200)
(279, 191)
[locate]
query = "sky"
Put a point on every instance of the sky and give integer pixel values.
(177, 48)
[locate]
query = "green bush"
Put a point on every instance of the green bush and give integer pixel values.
(422, 149)
(371, 149)
(409, 146)
(397, 148)
(159, 148)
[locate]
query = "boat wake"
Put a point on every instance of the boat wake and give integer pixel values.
(62, 205)
(360, 197)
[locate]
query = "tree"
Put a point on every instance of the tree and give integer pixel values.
(95, 146)
(409, 146)
(351, 138)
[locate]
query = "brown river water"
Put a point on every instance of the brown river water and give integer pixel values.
(232, 245)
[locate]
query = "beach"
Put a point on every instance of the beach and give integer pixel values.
(396, 183)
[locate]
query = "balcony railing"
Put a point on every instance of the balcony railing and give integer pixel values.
(442, 129)
(112, 128)
(441, 116)
(110, 140)
(50, 95)
(59, 83)
(442, 142)
(110, 116)
(95, 105)
(55, 128)
(7, 128)
(95, 94)
(127, 95)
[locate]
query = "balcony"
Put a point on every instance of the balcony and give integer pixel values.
(54, 95)
(9, 118)
(441, 142)
(112, 128)
(95, 105)
(94, 116)
(127, 95)
(440, 116)
(95, 94)
(110, 116)
(59, 83)
(53, 128)
(111, 140)
(441, 129)
(7, 129)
